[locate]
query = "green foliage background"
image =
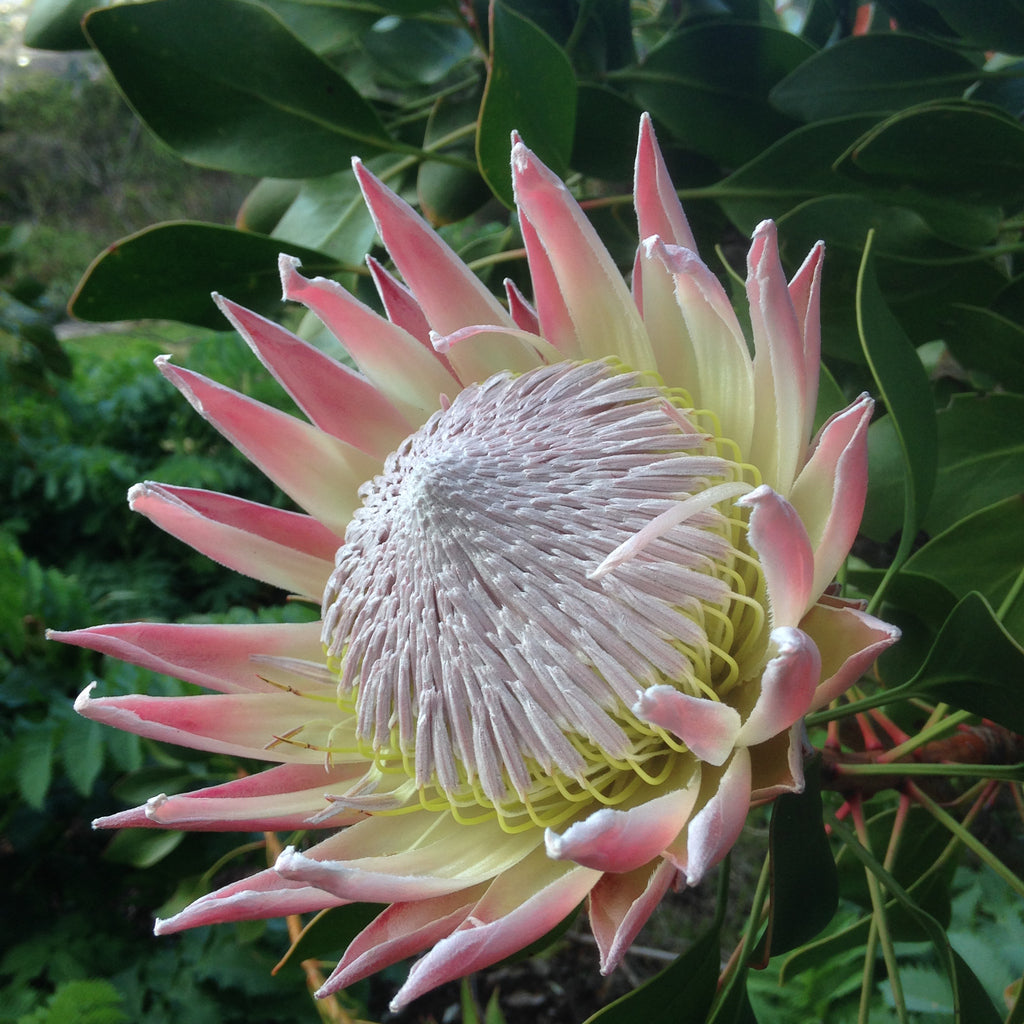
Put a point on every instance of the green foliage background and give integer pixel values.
(893, 131)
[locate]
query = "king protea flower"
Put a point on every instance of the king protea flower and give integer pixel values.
(574, 561)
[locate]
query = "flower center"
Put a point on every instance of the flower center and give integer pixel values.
(536, 554)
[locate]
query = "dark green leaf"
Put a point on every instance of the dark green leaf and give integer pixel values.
(981, 339)
(330, 931)
(961, 150)
(57, 24)
(794, 169)
(904, 388)
(606, 131)
(991, 25)
(804, 886)
(447, 192)
(1004, 88)
(418, 52)
(167, 272)
(709, 86)
(227, 85)
(982, 552)
(324, 28)
(981, 456)
(142, 848)
(680, 994)
(531, 89)
(975, 665)
(873, 73)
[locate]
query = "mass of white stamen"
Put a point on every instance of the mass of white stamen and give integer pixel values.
(466, 611)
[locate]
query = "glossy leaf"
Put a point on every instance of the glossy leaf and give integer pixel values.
(680, 994)
(967, 151)
(873, 73)
(709, 86)
(531, 89)
(167, 272)
(227, 85)
(804, 886)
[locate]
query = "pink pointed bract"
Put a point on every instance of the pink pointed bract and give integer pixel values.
(572, 560)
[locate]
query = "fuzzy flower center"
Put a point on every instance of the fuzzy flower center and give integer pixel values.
(536, 554)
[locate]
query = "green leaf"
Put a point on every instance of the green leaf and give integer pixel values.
(330, 931)
(804, 885)
(531, 89)
(447, 192)
(794, 169)
(329, 216)
(82, 753)
(975, 665)
(904, 388)
(34, 758)
(709, 85)
(879, 72)
(606, 129)
(141, 847)
(983, 551)
(966, 151)
(981, 456)
(680, 994)
(167, 272)
(983, 340)
(227, 85)
(991, 25)
(57, 24)
(416, 52)
(970, 1002)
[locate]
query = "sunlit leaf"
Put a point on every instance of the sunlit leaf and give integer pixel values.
(531, 89)
(227, 85)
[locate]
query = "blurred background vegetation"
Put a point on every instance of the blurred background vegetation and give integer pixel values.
(904, 123)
